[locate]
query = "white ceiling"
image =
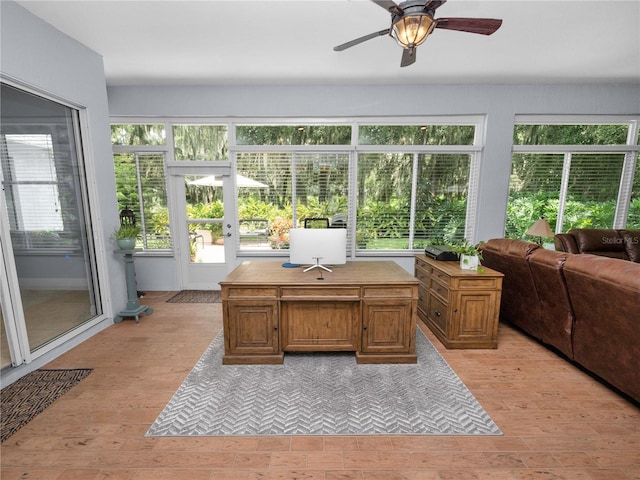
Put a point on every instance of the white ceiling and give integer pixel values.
(214, 42)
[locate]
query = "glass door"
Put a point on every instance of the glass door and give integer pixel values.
(48, 258)
(206, 237)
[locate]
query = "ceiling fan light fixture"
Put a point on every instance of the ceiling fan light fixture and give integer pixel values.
(412, 30)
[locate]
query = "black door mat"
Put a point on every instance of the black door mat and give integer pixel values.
(196, 296)
(30, 395)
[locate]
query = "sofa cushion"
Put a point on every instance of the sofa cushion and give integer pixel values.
(600, 241)
(556, 314)
(605, 295)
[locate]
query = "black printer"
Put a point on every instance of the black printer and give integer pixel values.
(441, 252)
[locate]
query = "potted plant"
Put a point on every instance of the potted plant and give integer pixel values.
(126, 236)
(469, 255)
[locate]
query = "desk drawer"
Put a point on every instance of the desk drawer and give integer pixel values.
(330, 293)
(389, 291)
(249, 292)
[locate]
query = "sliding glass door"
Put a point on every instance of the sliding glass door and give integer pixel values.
(50, 285)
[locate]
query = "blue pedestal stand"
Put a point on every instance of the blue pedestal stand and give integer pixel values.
(133, 309)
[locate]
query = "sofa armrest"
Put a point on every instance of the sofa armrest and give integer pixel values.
(565, 242)
(632, 244)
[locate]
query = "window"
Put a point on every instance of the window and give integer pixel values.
(139, 162)
(40, 182)
(395, 188)
(396, 201)
(633, 218)
(200, 142)
(293, 134)
(138, 134)
(141, 187)
(416, 134)
(321, 191)
(574, 175)
(35, 183)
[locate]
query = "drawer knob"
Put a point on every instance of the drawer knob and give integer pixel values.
(437, 312)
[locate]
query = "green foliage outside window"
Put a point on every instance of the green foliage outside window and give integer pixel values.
(200, 142)
(293, 134)
(416, 134)
(583, 134)
(384, 189)
(133, 134)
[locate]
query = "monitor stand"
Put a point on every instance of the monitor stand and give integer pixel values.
(317, 265)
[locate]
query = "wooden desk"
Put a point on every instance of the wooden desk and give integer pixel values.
(369, 308)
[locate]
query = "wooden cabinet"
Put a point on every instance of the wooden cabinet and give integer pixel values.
(461, 307)
(366, 307)
(388, 327)
(250, 322)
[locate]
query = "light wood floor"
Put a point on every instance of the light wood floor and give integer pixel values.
(558, 423)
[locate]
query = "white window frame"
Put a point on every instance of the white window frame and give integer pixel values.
(475, 150)
(631, 150)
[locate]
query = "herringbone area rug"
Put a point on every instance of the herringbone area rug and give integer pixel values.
(323, 394)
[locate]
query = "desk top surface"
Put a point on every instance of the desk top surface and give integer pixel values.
(359, 273)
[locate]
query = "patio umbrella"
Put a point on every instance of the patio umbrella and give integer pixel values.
(215, 181)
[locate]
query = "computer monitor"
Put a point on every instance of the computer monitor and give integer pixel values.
(318, 247)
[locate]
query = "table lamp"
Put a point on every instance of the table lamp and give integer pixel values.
(540, 229)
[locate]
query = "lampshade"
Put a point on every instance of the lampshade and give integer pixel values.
(412, 30)
(540, 229)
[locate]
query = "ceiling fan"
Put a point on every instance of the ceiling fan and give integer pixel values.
(412, 22)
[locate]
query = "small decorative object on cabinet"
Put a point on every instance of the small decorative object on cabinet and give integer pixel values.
(469, 255)
(461, 307)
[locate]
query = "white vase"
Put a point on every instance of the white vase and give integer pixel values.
(469, 262)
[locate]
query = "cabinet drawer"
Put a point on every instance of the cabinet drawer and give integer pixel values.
(420, 263)
(438, 313)
(441, 276)
(423, 298)
(423, 275)
(440, 290)
(484, 283)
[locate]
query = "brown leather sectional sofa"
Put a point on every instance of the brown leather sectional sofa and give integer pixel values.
(585, 306)
(614, 243)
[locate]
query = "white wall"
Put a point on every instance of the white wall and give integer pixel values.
(499, 103)
(41, 58)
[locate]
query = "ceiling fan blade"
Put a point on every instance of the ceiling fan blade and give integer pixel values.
(389, 6)
(433, 4)
(408, 57)
(483, 26)
(357, 41)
